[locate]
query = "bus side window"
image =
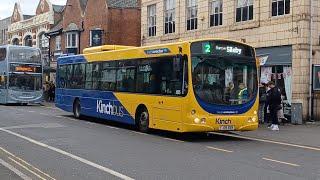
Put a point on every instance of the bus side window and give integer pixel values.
(88, 83)
(3, 82)
(62, 76)
(3, 54)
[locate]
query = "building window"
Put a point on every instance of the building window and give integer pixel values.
(15, 41)
(72, 40)
(28, 41)
(169, 16)
(280, 7)
(58, 43)
(215, 12)
(152, 27)
(244, 10)
(192, 14)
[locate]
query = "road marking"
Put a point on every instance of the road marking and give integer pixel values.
(111, 127)
(281, 162)
(219, 149)
(72, 119)
(31, 111)
(267, 141)
(44, 114)
(23, 161)
(85, 161)
(26, 168)
(175, 140)
(40, 125)
(137, 132)
(51, 108)
(16, 171)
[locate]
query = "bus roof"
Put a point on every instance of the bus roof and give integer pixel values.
(129, 52)
(105, 48)
(23, 47)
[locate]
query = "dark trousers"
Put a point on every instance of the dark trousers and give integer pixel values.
(274, 116)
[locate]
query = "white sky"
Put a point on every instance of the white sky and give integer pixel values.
(28, 7)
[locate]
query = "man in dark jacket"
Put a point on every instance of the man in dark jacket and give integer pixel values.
(274, 102)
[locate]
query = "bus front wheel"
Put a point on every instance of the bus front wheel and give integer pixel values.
(77, 109)
(143, 120)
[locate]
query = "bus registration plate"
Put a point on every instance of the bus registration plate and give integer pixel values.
(226, 128)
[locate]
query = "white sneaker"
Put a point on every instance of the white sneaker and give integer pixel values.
(271, 126)
(275, 128)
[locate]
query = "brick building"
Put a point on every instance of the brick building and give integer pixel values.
(4, 23)
(279, 29)
(30, 30)
(88, 23)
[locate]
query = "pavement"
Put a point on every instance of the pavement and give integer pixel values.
(306, 134)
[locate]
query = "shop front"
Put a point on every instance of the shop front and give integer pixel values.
(276, 66)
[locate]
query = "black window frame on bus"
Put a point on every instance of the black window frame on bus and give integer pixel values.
(136, 76)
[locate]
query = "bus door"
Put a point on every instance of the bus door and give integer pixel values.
(172, 81)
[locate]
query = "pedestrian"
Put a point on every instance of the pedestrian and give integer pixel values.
(262, 103)
(274, 103)
(46, 91)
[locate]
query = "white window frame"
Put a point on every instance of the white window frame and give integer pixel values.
(284, 7)
(152, 20)
(216, 8)
(244, 4)
(68, 45)
(58, 43)
(192, 5)
(169, 9)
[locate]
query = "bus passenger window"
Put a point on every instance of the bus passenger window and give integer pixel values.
(3, 82)
(3, 54)
(88, 83)
(108, 76)
(62, 77)
(96, 76)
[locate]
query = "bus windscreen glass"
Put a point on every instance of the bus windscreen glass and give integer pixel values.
(224, 73)
(24, 55)
(18, 82)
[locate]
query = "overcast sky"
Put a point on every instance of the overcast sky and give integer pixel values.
(27, 6)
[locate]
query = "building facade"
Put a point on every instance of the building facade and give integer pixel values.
(279, 29)
(4, 23)
(30, 30)
(88, 23)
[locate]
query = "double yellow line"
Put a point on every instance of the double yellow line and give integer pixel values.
(26, 166)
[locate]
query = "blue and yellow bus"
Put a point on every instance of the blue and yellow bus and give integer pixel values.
(193, 86)
(21, 73)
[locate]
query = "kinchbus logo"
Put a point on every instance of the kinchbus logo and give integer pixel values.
(109, 109)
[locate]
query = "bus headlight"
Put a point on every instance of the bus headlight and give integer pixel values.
(193, 112)
(250, 120)
(255, 112)
(197, 120)
(254, 119)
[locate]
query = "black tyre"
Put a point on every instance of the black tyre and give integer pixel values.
(77, 109)
(143, 120)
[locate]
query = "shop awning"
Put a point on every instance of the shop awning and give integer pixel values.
(272, 56)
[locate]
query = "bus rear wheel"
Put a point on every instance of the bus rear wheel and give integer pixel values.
(77, 109)
(143, 121)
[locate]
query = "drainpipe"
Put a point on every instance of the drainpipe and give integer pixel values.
(310, 62)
